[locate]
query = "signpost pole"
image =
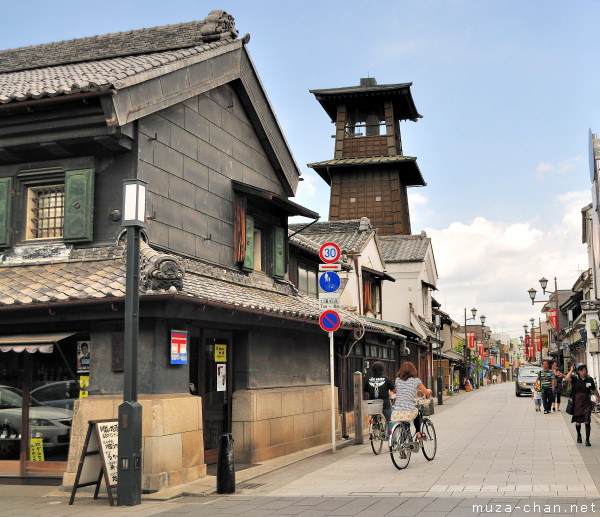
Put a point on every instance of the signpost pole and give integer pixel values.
(329, 283)
(332, 392)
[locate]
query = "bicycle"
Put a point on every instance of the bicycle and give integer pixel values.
(378, 432)
(402, 444)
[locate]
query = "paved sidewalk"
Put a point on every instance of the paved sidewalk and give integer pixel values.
(492, 448)
(490, 443)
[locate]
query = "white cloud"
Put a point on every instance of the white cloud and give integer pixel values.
(543, 169)
(417, 199)
(491, 264)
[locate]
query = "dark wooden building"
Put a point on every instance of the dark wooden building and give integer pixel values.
(369, 174)
(181, 107)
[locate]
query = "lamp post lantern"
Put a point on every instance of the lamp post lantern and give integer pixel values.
(129, 481)
(532, 292)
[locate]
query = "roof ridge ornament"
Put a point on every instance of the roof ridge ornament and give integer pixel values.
(218, 25)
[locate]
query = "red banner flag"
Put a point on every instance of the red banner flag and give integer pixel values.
(553, 319)
(471, 340)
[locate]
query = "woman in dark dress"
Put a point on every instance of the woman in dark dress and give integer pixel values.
(582, 387)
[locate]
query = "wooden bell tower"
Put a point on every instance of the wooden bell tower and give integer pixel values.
(369, 174)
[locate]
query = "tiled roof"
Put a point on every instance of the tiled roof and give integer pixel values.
(351, 236)
(404, 248)
(411, 173)
(303, 242)
(100, 273)
(104, 62)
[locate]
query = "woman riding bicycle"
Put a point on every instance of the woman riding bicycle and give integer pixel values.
(407, 384)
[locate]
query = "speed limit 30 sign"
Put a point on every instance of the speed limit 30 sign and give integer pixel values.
(329, 252)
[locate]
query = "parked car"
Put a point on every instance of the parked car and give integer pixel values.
(57, 394)
(51, 424)
(525, 379)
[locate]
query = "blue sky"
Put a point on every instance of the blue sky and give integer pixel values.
(508, 92)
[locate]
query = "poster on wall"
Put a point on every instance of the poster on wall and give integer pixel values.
(179, 339)
(83, 356)
(84, 384)
(221, 377)
(220, 353)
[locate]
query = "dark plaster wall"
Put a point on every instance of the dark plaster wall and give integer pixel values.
(155, 373)
(280, 358)
(188, 154)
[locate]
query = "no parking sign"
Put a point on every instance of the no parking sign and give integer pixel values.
(329, 321)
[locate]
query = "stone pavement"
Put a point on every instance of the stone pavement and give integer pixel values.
(493, 450)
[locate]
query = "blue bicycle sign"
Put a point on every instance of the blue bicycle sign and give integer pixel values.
(329, 281)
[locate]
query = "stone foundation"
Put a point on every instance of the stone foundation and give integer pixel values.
(267, 423)
(172, 439)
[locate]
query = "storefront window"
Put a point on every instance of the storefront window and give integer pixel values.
(43, 380)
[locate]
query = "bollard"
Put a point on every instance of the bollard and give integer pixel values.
(225, 465)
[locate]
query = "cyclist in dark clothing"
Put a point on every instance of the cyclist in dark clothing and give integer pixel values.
(378, 386)
(546, 378)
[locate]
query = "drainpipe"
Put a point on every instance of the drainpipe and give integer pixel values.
(358, 281)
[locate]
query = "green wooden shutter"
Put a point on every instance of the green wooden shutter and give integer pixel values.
(249, 257)
(79, 206)
(278, 252)
(5, 211)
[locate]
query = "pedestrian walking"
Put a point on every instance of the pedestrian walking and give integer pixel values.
(557, 387)
(582, 387)
(378, 386)
(545, 376)
(536, 395)
(494, 379)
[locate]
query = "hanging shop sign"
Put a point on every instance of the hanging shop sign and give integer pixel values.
(179, 343)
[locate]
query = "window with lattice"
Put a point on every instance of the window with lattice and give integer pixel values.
(45, 212)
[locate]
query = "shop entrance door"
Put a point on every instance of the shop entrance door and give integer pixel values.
(215, 389)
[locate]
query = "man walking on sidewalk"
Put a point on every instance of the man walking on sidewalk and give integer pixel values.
(545, 377)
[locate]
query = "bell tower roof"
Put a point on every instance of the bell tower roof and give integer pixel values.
(370, 91)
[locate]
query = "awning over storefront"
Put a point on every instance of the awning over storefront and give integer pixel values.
(31, 343)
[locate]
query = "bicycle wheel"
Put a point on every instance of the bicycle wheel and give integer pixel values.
(399, 451)
(429, 443)
(377, 434)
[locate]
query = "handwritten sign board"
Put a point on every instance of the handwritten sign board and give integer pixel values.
(99, 458)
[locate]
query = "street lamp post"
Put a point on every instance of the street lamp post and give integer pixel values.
(526, 333)
(532, 292)
(482, 319)
(440, 377)
(129, 481)
(467, 350)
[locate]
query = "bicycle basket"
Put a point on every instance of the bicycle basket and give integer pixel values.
(372, 407)
(427, 408)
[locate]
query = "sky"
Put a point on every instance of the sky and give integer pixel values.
(508, 92)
